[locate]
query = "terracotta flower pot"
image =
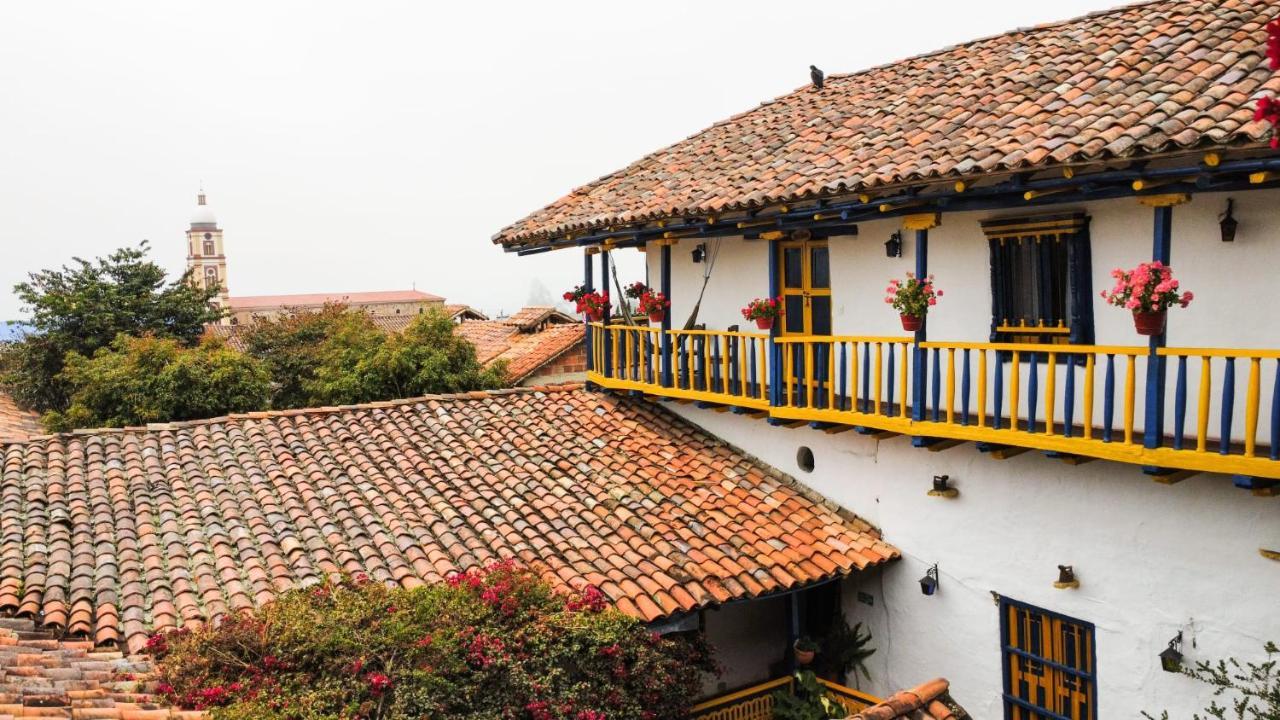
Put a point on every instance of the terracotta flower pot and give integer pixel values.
(911, 323)
(804, 657)
(595, 315)
(764, 323)
(657, 315)
(1149, 323)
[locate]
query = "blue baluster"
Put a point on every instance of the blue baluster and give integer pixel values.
(889, 377)
(937, 386)
(1069, 397)
(1033, 393)
(844, 374)
(1275, 415)
(820, 374)
(1180, 403)
(866, 375)
(1228, 405)
(1109, 399)
(997, 392)
(751, 370)
(964, 390)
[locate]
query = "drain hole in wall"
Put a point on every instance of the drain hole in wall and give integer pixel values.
(804, 458)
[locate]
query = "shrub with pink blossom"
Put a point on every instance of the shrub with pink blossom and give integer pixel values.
(1148, 288)
(912, 297)
(489, 643)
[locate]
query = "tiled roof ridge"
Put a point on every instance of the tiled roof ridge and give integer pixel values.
(308, 412)
(928, 697)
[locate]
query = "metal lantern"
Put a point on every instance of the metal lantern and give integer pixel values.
(1227, 223)
(1171, 657)
(929, 583)
(893, 246)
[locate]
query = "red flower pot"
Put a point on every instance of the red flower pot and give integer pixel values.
(657, 315)
(910, 323)
(595, 315)
(764, 323)
(804, 657)
(1149, 323)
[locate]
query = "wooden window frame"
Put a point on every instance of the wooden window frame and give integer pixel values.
(1053, 665)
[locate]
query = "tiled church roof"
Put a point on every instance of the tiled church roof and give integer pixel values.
(109, 534)
(1146, 80)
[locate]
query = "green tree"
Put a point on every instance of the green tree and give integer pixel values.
(83, 306)
(1253, 688)
(489, 644)
(359, 363)
(148, 379)
(293, 347)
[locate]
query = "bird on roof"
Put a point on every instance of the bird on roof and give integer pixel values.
(817, 76)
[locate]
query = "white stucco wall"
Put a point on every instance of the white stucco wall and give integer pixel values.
(748, 637)
(1152, 559)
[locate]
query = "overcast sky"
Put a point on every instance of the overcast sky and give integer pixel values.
(378, 145)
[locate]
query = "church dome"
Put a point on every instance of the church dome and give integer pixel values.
(203, 214)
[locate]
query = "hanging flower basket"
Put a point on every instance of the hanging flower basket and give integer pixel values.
(805, 650)
(593, 305)
(912, 298)
(654, 304)
(764, 311)
(1149, 323)
(1148, 290)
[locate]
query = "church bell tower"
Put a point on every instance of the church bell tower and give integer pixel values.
(206, 259)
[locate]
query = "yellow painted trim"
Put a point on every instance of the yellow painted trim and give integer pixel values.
(1145, 184)
(857, 694)
(1261, 177)
(921, 221)
(1072, 585)
(864, 198)
(1269, 554)
(960, 186)
(745, 692)
(1167, 200)
(1034, 330)
(949, 493)
(593, 250)
(666, 241)
(1033, 194)
(1041, 347)
(1068, 173)
(772, 235)
(1212, 159)
(844, 338)
(1220, 353)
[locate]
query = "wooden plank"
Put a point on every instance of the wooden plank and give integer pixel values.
(944, 445)
(1172, 477)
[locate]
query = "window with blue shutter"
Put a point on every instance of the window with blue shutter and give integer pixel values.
(1041, 279)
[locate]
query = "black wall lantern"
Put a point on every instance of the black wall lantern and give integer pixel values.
(1171, 657)
(893, 246)
(1227, 222)
(699, 252)
(929, 583)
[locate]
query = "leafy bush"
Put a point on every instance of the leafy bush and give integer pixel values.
(492, 644)
(82, 307)
(292, 346)
(808, 702)
(1255, 687)
(148, 379)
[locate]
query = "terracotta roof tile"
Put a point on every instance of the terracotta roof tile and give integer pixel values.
(929, 701)
(105, 535)
(16, 423)
(1095, 88)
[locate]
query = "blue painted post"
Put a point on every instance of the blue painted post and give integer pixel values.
(1069, 397)
(866, 375)
(588, 283)
(1180, 403)
(1228, 406)
(997, 393)
(964, 390)
(751, 390)
(1153, 418)
(775, 357)
(665, 271)
(937, 386)
(844, 377)
(820, 376)
(918, 376)
(1109, 399)
(1275, 415)
(1033, 390)
(889, 375)
(608, 335)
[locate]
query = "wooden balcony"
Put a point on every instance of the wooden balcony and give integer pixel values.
(1174, 411)
(756, 702)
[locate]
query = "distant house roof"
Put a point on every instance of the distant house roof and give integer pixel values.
(250, 302)
(181, 523)
(16, 423)
(530, 317)
(930, 701)
(526, 340)
(1142, 81)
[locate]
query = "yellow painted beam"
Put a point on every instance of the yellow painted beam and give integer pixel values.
(961, 186)
(1166, 200)
(772, 235)
(920, 221)
(1261, 177)
(1212, 159)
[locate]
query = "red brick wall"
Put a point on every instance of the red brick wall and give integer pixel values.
(573, 362)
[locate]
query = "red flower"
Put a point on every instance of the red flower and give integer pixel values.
(379, 683)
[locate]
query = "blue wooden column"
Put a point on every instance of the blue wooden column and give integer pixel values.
(664, 263)
(775, 356)
(919, 378)
(604, 286)
(588, 283)
(1161, 249)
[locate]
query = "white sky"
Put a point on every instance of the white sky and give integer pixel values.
(374, 145)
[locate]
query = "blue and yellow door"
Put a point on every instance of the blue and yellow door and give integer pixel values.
(805, 287)
(1049, 664)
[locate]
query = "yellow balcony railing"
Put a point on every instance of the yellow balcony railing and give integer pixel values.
(1177, 409)
(756, 702)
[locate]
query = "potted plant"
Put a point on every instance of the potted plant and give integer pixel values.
(806, 649)
(654, 304)
(575, 294)
(764, 311)
(594, 305)
(1148, 290)
(912, 298)
(635, 290)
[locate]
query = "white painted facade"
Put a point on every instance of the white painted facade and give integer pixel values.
(1152, 559)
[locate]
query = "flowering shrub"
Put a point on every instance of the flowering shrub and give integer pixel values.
(1148, 288)
(635, 290)
(912, 297)
(763, 309)
(575, 294)
(652, 302)
(593, 303)
(491, 643)
(1268, 109)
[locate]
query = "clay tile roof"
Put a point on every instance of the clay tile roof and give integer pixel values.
(527, 340)
(42, 676)
(530, 317)
(16, 423)
(379, 296)
(929, 701)
(1138, 81)
(105, 535)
